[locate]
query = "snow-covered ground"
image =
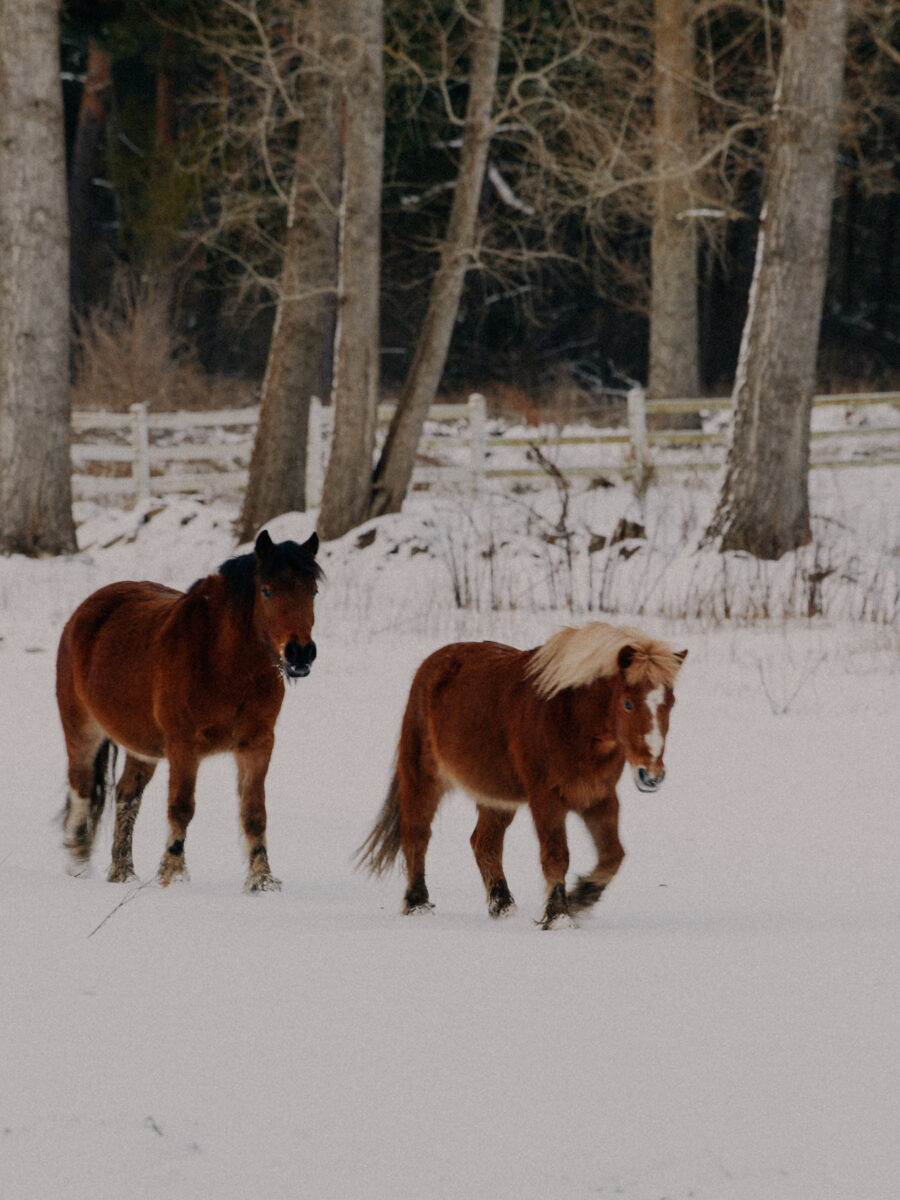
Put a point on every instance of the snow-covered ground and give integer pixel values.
(724, 1025)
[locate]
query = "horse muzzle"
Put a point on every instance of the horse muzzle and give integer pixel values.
(298, 659)
(646, 781)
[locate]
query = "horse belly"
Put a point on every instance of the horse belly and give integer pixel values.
(482, 799)
(130, 725)
(472, 756)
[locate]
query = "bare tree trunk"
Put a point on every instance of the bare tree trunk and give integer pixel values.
(764, 504)
(673, 369)
(85, 152)
(345, 497)
(304, 323)
(35, 482)
(395, 468)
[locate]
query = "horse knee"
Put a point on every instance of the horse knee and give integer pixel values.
(610, 864)
(135, 777)
(555, 856)
(487, 841)
(477, 842)
(254, 823)
(181, 801)
(414, 838)
(607, 867)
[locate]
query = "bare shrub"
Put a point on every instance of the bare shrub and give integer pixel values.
(560, 401)
(126, 351)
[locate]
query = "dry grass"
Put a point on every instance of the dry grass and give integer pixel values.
(126, 351)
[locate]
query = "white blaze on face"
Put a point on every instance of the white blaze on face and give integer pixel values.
(654, 739)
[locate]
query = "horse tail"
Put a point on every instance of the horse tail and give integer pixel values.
(103, 781)
(382, 846)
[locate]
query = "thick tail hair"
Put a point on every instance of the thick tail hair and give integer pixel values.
(104, 779)
(382, 846)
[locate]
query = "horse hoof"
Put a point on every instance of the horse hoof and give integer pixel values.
(559, 921)
(166, 878)
(585, 894)
(266, 883)
(120, 875)
(419, 910)
(500, 901)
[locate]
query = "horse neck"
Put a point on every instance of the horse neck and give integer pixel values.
(591, 708)
(234, 633)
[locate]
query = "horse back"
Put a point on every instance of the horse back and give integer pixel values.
(475, 712)
(106, 662)
(464, 710)
(105, 621)
(151, 665)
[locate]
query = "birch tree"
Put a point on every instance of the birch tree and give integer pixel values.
(299, 359)
(674, 351)
(764, 504)
(347, 486)
(395, 468)
(35, 483)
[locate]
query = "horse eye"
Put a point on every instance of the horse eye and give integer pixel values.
(629, 707)
(267, 592)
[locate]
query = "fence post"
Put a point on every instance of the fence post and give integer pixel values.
(478, 440)
(140, 442)
(637, 430)
(314, 454)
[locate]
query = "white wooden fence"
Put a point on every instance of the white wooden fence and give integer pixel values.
(141, 454)
(150, 448)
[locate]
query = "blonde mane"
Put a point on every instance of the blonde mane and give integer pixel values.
(574, 658)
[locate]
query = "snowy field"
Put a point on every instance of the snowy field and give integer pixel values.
(724, 1026)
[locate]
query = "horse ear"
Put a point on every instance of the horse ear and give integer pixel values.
(263, 545)
(681, 655)
(312, 544)
(626, 658)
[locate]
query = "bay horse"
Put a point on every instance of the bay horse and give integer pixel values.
(550, 727)
(180, 676)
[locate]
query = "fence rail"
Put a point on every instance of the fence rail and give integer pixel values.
(143, 454)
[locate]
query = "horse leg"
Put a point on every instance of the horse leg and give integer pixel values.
(88, 752)
(550, 822)
(137, 774)
(487, 846)
(183, 764)
(252, 764)
(419, 794)
(602, 821)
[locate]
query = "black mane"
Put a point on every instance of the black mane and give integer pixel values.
(241, 572)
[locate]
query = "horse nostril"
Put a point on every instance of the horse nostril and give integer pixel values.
(647, 782)
(299, 657)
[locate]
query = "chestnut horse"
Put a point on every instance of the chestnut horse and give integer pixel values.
(182, 675)
(552, 728)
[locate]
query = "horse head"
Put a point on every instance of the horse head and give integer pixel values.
(644, 701)
(287, 576)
